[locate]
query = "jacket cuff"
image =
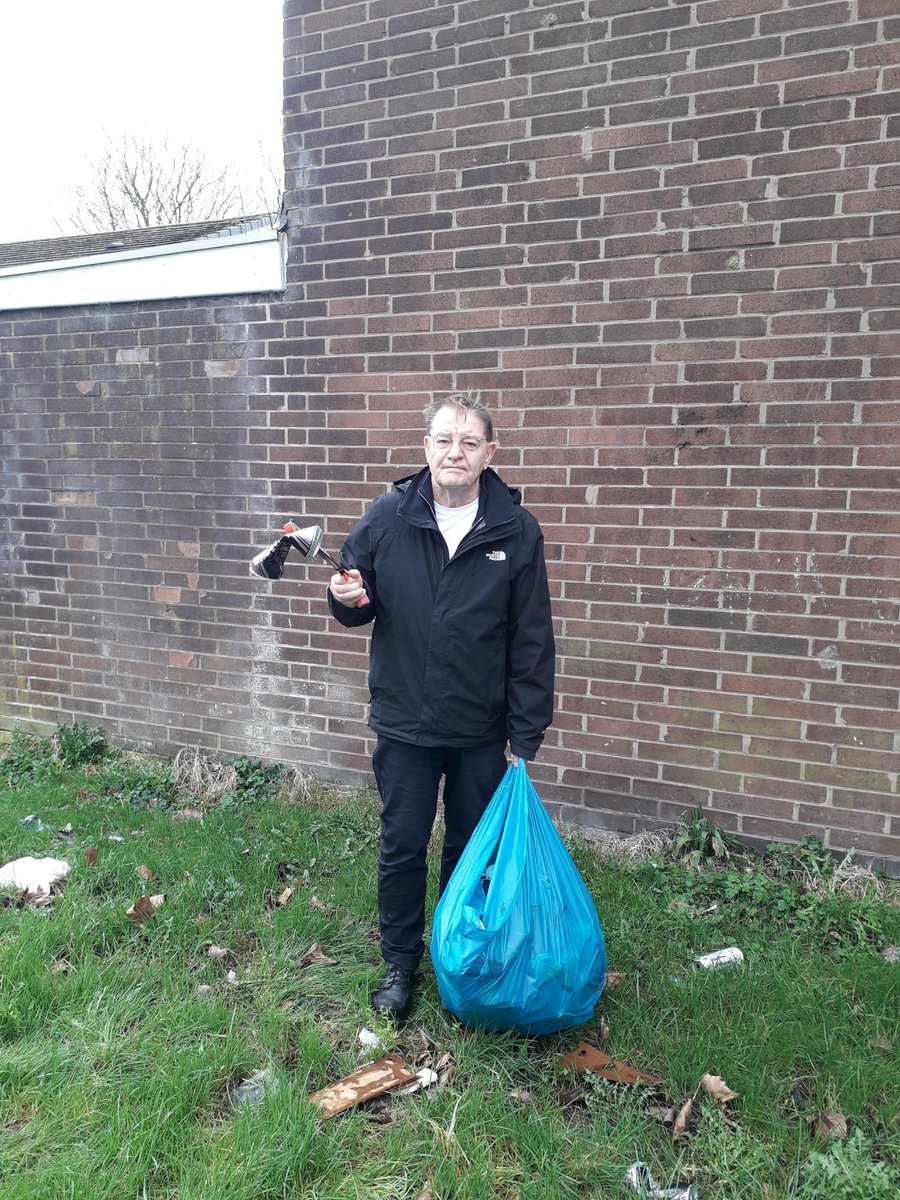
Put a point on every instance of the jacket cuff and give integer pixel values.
(526, 751)
(351, 618)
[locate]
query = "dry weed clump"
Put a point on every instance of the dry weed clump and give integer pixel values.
(634, 847)
(203, 776)
(297, 786)
(847, 879)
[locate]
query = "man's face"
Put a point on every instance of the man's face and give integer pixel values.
(457, 451)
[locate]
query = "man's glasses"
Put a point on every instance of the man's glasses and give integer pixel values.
(470, 443)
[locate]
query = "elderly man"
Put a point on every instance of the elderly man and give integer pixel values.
(462, 659)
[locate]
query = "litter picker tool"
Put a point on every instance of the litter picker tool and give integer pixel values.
(269, 564)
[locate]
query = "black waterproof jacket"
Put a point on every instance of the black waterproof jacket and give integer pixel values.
(462, 650)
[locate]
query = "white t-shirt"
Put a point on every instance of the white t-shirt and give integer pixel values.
(455, 523)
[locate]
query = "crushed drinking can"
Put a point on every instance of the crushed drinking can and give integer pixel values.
(639, 1178)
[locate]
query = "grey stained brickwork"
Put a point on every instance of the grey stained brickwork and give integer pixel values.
(663, 239)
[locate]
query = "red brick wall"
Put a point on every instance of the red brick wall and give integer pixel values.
(663, 239)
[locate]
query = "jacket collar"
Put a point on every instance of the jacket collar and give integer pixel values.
(496, 502)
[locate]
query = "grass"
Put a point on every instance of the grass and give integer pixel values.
(115, 1072)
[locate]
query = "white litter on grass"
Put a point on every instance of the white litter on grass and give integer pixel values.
(31, 874)
(369, 1039)
(425, 1078)
(719, 958)
(254, 1089)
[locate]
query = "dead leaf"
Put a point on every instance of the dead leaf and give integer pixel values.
(145, 873)
(204, 989)
(90, 857)
(378, 1111)
(884, 1044)
(158, 900)
(218, 953)
(613, 979)
(190, 812)
(283, 898)
(426, 1193)
(892, 954)
(571, 1096)
(231, 977)
(427, 1043)
(39, 898)
(320, 906)
(315, 958)
(681, 1121)
(603, 1031)
(446, 1075)
(715, 1086)
(801, 1091)
(666, 1115)
(520, 1095)
(829, 1124)
(61, 967)
(143, 910)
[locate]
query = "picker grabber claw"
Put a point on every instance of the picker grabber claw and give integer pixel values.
(270, 563)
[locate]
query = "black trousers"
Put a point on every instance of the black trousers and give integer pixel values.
(408, 778)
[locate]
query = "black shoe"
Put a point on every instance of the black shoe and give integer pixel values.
(393, 995)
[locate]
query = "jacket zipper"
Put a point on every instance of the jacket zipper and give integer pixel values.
(478, 527)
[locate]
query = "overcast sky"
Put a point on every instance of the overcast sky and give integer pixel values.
(205, 72)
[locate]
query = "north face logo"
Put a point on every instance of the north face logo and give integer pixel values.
(496, 555)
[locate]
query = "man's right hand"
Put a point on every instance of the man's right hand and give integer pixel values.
(347, 591)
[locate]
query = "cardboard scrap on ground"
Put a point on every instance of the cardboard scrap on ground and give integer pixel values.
(586, 1057)
(374, 1079)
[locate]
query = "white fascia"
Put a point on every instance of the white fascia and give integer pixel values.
(215, 266)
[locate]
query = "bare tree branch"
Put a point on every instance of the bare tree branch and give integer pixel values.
(136, 183)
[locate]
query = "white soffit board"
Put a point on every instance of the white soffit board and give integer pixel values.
(216, 266)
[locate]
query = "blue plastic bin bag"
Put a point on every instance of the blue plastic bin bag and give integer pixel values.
(516, 941)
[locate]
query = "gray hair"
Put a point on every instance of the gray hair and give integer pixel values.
(465, 401)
